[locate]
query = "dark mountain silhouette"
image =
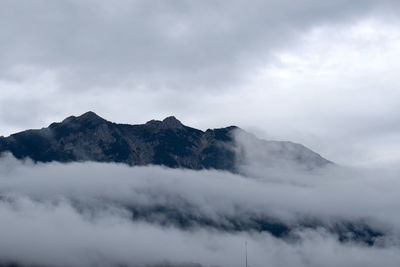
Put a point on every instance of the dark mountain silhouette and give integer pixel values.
(167, 142)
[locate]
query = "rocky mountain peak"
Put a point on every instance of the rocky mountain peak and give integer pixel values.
(87, 118)
(168, 123)
(90, 116)
(171, 122)
(158, 142)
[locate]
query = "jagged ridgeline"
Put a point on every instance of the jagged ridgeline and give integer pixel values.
(168, 142)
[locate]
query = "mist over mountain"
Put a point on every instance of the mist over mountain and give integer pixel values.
(115, 190)
(168, 142)
(106, 214)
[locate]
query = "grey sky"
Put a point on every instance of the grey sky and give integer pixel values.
(322, 73)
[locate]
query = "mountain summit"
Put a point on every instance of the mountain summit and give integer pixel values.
(168, 123)
(168, 142)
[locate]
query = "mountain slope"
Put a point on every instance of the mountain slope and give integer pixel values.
(167, 142)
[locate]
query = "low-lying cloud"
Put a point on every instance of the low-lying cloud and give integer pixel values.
(93, 214)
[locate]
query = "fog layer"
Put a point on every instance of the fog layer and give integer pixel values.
(85, 214)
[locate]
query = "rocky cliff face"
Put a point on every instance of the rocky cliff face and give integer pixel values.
(167, 142)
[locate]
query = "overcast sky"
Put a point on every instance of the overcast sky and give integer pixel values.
(321, 73)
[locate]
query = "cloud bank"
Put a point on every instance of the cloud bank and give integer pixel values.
(91, 214)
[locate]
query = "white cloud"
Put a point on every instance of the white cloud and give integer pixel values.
(80, 214)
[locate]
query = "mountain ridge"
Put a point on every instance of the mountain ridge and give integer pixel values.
(167, 142)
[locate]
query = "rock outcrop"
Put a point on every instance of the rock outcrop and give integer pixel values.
(168, 142)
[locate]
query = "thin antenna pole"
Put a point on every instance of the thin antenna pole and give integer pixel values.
(246, 252)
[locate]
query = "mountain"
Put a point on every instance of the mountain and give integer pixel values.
(168, 142)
